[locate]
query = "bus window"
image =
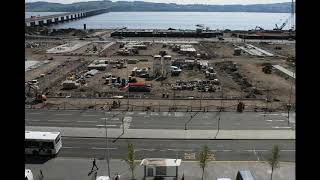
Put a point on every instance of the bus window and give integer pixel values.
(48, 145)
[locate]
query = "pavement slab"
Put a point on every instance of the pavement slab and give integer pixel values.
(76, 168)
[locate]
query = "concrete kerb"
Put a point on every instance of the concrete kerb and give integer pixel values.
(169, 133)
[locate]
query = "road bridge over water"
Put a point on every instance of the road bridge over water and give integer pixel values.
(58, 18)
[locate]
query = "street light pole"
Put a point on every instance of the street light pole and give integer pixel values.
(107, 152)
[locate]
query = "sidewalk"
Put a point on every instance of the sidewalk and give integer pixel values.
(77, 169)
(169, 133)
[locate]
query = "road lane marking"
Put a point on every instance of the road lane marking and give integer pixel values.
(65, 147)
(269, 114)
(87, 121)
(270, 120)
(224, 150)
(32, 120)
(63, 114)
(110, 125)
(34, 113)
(178, 114)
(145, 149)
(262, 150)
(277, 127)
(288, 150)
(104, 118)
(89, 115)
(101, 148)
(58, 121)
(154, 114)
(189, 156)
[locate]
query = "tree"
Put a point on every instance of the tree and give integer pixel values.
(130, 160)
(274, 159)
(204, 158)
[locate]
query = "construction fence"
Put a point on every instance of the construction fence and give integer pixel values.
(159, 105)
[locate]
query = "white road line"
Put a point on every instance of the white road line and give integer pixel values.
(65, 147)
(89, 115)
(63, 114)
(87, 121)
(277, 127)
(32, 120)
(142, 113)
(58, 121)
(250, 150)
(34, 113)
(102, 148)
(114, 119)
(104, 118)
(275, 120)
(288, 150)
(269, 114)
(225, 150)
(145, 149)
(154, 114)
(110, 125)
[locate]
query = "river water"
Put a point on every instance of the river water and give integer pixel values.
(182, 20)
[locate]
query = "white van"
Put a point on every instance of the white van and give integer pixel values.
(28, 174)
(103, 178)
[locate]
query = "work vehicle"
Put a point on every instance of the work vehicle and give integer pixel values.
(42, 143)
(28, 174)
(244, 175)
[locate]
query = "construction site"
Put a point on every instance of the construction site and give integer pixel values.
(92, 68)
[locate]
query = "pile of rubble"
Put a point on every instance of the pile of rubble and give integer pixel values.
(131, 48)
(199, 85)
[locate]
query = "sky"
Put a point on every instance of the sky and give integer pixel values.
(213, 2)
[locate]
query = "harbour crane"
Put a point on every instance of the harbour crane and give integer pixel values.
(282, 26)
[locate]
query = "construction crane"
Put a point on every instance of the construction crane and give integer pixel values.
(282, 26)
(291, 17)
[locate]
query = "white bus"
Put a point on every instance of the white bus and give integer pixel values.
(28, 175)
(42, 143)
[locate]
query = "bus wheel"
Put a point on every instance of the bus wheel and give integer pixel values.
(35, 153)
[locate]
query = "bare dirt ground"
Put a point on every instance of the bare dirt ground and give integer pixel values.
(219, 49)
(249, 68)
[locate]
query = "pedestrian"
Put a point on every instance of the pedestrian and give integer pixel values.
(116, 177)
(41, 175)
(94, 164)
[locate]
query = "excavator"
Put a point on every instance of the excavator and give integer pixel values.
(38, 97)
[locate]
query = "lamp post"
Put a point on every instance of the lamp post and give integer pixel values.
(107, 143)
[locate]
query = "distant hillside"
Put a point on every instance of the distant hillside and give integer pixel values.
(147, 6)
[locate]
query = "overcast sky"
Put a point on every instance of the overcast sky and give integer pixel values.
(218, 2)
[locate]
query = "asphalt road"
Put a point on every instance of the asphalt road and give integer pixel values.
(158, 120)
(222, 150)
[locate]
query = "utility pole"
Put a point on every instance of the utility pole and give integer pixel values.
(200, 100)
(128, 90)
(289, 103)
(267, 101)
(107, 152)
